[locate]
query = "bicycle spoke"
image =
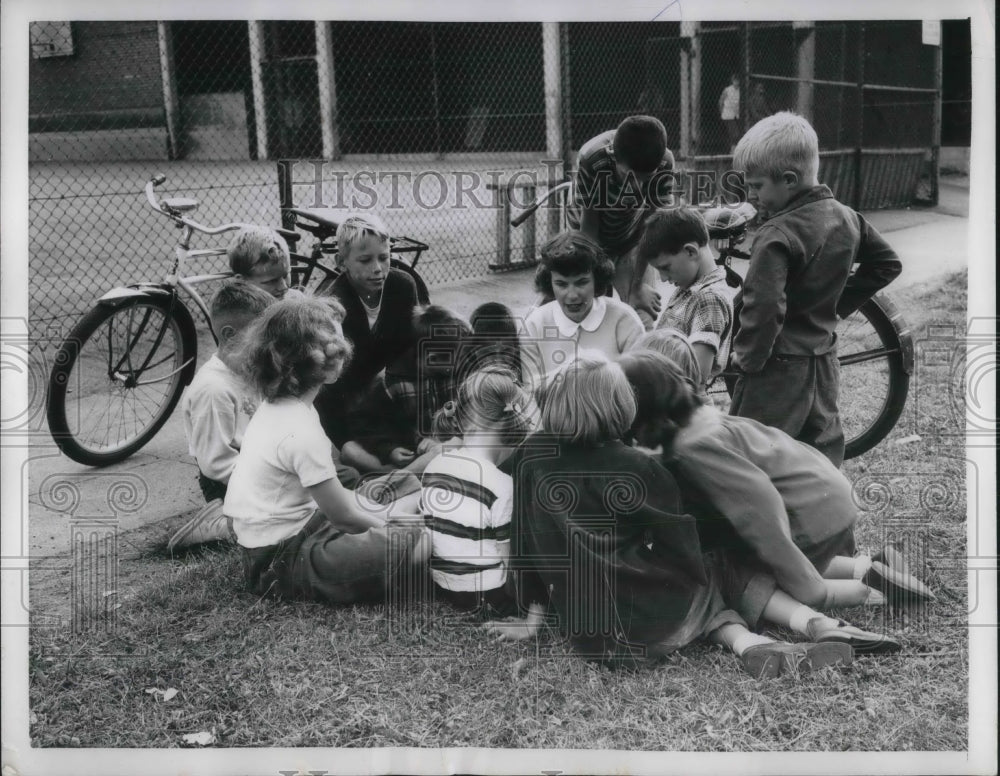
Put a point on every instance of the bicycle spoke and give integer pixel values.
(124, 376)
(865, 374)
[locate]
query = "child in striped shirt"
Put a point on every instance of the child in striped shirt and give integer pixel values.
(467, 500)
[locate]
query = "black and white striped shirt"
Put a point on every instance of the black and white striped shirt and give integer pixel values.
(467, 503)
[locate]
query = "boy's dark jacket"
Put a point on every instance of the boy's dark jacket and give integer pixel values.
(373, 350)
(601, 530)
(799, 279)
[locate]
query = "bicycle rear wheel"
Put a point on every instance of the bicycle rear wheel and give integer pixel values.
(875, 354)
(118, 376)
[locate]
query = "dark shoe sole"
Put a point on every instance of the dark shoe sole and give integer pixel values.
(899, 587)
(882, 645)
(892, 557)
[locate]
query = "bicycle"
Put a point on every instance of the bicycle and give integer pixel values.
(119, 374)
(874, 344)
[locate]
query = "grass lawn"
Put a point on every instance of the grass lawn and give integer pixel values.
(258, 673)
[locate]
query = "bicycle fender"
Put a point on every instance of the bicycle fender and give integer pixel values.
(890, 311)
(118, 296)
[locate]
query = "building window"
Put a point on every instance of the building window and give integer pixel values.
(51, 39)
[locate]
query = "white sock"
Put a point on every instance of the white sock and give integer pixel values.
(799, 620)
(861, 565)
(875, 598)
(744, 641)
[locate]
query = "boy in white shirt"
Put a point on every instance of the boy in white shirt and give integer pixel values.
(216, 408)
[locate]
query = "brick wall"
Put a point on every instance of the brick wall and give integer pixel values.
(115, 66)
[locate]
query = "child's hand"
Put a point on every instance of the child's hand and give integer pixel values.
(427, 444)
(406, 519)
(648, 299)
(513, 629)
(400, 456)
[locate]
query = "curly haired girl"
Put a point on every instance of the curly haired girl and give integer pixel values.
(302, 534)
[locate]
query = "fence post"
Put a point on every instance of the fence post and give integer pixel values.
(168, 73)
(502, 225)
(567, 105)
(552, 58)
(805, 66)
(936, 125)
(327, 90)
(435, 94)
(860, 110)
(256, 31)
(696, 91)
(688, 32)
(528, 228)
(745, 81)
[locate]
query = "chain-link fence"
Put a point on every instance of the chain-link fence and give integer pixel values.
(425, 122)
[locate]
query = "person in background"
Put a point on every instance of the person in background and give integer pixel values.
(729, 110)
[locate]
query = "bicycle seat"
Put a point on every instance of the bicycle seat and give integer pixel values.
(726, 222)
(180, 204)
(324, 220)
(290, 237)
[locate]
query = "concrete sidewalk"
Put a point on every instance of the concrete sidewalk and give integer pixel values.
(159, 482)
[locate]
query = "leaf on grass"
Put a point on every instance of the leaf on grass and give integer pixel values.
(517, 668)
(163, 695)
(203, 738)
(907, 439)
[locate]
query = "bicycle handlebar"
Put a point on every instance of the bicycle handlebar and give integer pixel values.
(529, 211)
(525, 215)
(159, 207)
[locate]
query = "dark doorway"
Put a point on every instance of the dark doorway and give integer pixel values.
(212, 67)
(291, 82)
(956, 86)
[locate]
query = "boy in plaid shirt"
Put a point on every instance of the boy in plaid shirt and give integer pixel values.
(675, 243)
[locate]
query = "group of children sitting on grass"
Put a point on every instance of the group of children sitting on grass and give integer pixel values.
(568, 464)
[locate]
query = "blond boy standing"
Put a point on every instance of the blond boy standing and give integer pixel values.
(799, 285)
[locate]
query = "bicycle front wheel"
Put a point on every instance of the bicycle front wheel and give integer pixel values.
(118, 376)
(874, 354)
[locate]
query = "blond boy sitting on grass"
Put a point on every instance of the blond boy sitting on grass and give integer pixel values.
(216, 408)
